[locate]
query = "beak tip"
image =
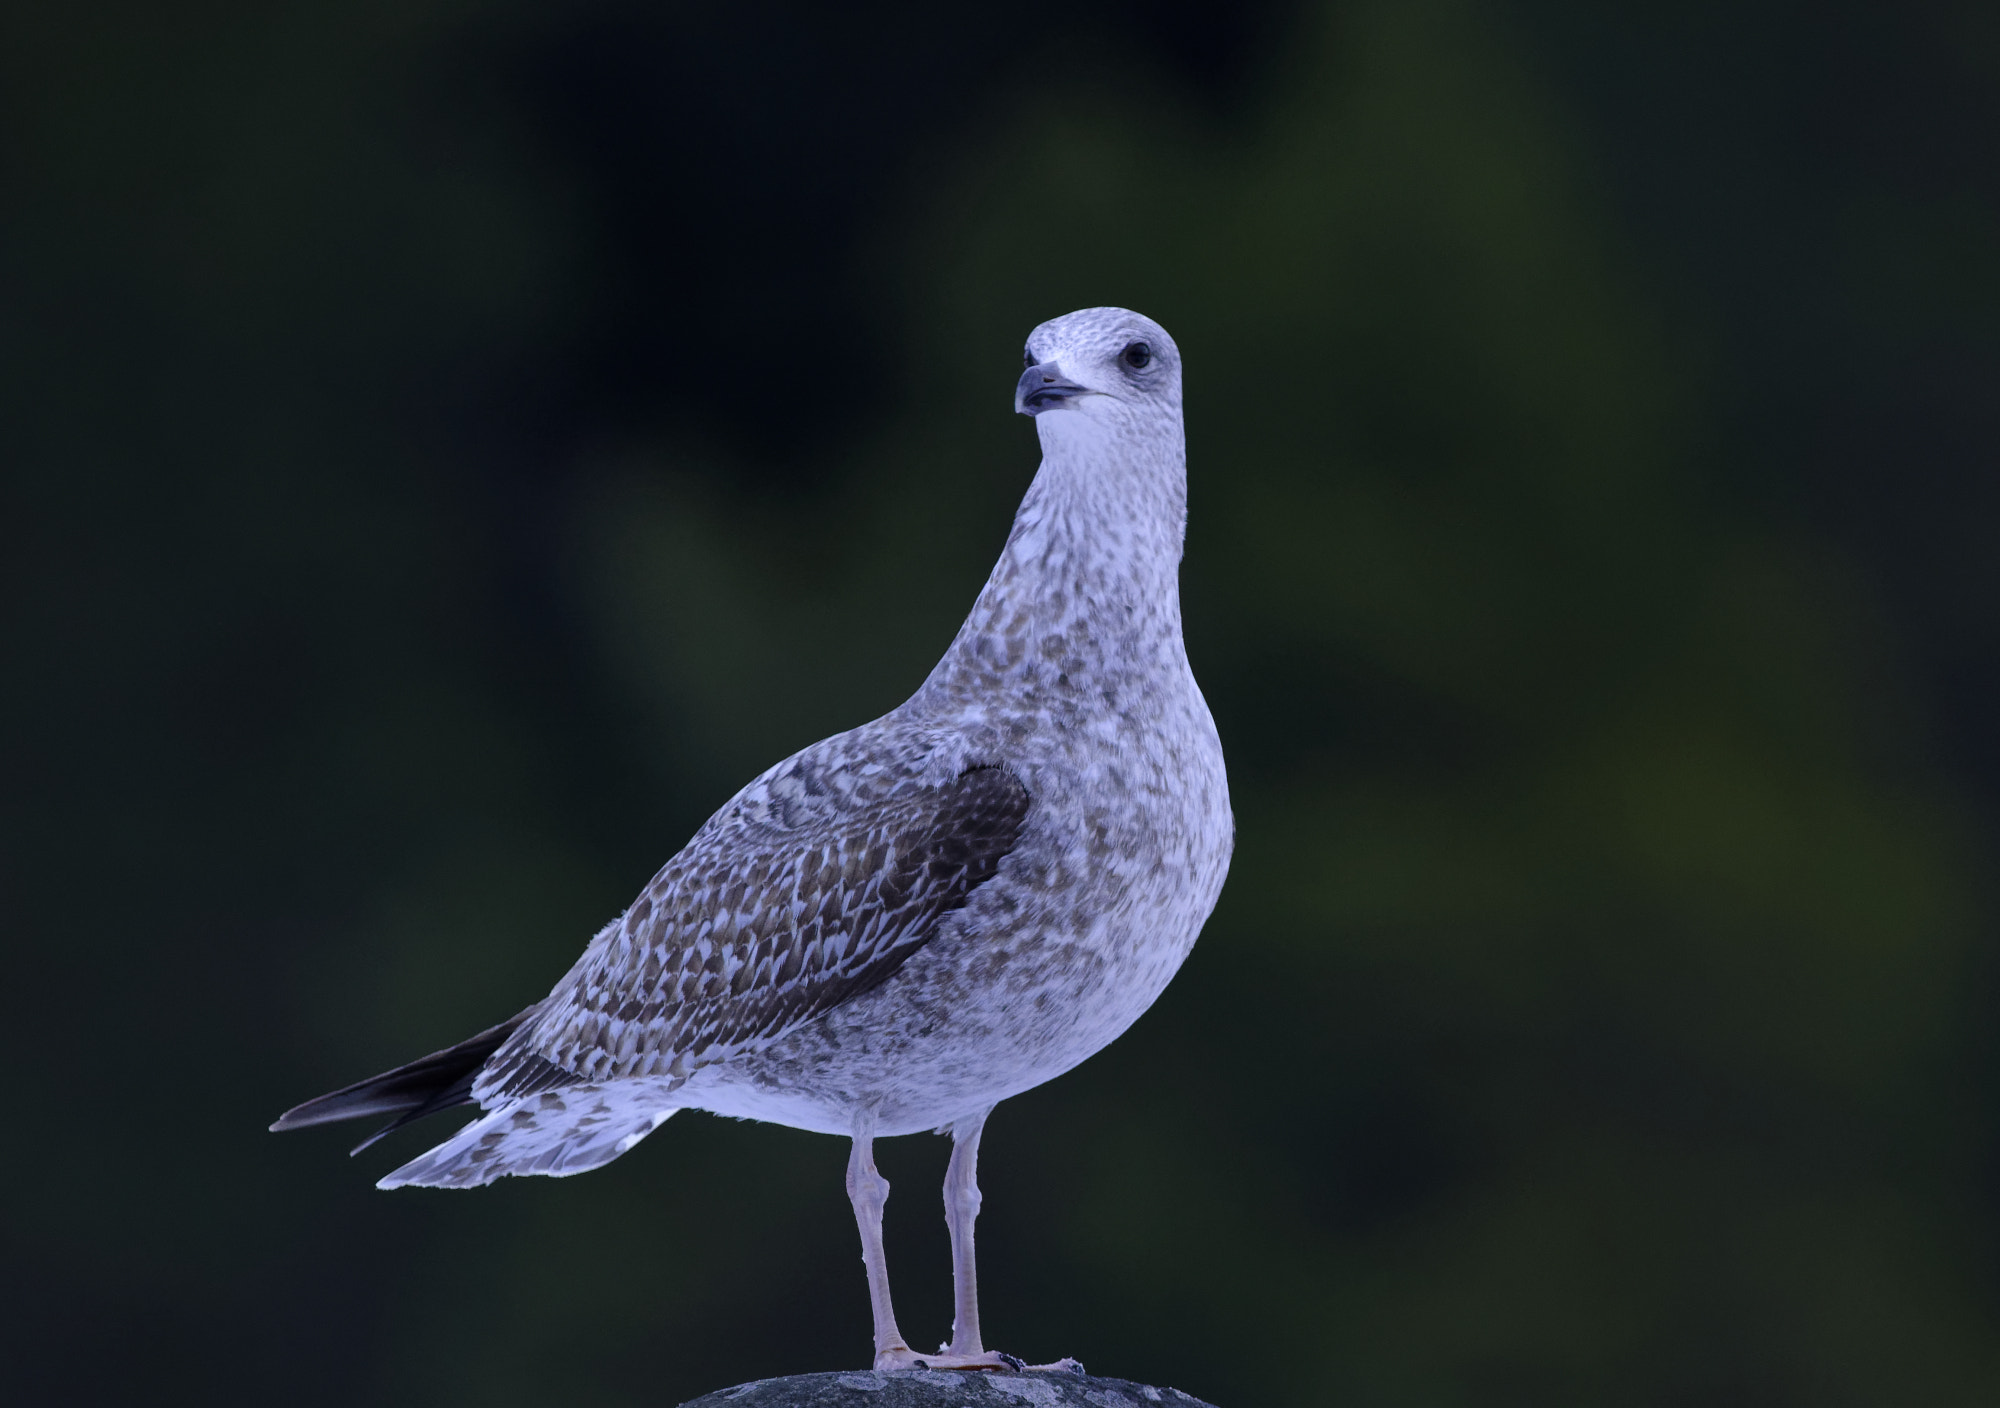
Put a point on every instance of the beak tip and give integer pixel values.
(1044, 388)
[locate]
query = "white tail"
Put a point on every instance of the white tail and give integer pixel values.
(558, 1132)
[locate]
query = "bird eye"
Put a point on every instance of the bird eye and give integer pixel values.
(1137, 356)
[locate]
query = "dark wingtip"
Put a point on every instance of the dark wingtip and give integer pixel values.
(437, 1082)
(376, 1137)
(313, 1112)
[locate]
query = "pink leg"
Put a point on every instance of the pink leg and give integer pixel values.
(961, 1210)
(868, 1190)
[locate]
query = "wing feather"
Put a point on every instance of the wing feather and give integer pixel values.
(772, 915)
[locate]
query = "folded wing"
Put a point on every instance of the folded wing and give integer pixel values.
(768, 918)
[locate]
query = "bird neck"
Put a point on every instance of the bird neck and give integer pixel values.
(1088, 586)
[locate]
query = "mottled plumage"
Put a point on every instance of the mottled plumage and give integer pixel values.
(903, 924)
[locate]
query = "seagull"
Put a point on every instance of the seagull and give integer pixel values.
(900, 926)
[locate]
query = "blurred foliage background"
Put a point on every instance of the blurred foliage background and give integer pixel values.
(448, 447)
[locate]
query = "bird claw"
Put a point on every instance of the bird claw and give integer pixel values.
(1064, 1365)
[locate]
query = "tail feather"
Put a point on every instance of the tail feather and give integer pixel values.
(558, 1132)
(423, 1087)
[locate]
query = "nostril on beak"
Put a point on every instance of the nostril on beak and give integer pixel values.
(1044, 387)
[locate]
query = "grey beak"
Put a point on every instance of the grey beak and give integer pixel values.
(1045, 388)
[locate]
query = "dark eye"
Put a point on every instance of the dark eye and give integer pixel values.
(1136, 356)
(1027, 358)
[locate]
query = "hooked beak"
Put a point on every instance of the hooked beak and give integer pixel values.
(1045, 388)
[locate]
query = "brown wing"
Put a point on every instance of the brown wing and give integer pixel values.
(760, 925)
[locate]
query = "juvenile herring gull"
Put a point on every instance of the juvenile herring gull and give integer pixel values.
(902, 925)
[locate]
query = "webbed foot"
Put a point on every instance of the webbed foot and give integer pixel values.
(1064, 1365)
(901, 1358)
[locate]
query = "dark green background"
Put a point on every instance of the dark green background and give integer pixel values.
(448, 447)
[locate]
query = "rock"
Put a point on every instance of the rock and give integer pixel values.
(945, 1388)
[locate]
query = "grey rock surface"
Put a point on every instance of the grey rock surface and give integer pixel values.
(921, 1388)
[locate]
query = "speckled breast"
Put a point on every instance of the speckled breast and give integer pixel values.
(1088, 919)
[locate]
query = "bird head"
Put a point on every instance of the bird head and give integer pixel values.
(1100, 369)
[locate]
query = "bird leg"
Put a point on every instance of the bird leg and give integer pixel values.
(868, 1190)
(961, 1210)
